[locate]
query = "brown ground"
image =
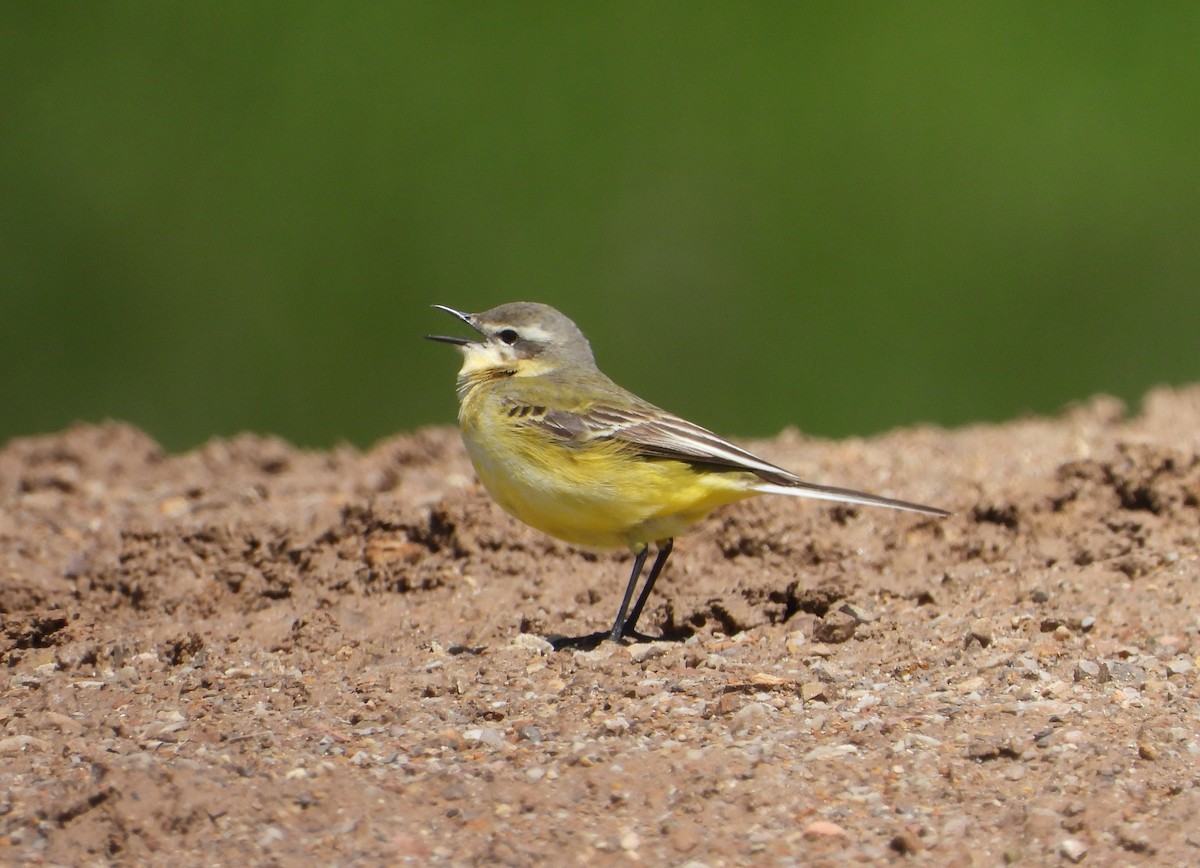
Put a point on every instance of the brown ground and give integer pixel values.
(252, 654)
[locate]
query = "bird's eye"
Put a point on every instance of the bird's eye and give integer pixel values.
(509, 336)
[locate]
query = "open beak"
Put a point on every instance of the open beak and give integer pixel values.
(445, 339)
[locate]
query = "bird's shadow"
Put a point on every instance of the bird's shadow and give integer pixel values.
(592, 641)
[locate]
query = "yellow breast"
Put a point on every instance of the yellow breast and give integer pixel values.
(598, 494)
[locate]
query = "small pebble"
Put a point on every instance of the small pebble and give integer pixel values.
(530, 643)
(1073, 849)
(22, 743)
(270, 835)
(487, 735)
(648, 651)
(530, 732)
(981, 632)
(858, 612)
(824, 829)
(970, 685)
(815, 691)
(1133, 838)
(830, 751)
(63, 723)
(795, 641)
(906, 843)
(957, 827)
(750, 714)
(1128, 673)
(835, 628)
(1180, 666)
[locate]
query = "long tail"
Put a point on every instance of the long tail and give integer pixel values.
(845, 495)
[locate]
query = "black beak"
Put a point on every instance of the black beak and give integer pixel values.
(465, 317)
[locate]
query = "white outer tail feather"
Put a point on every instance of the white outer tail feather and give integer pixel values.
(844, 495)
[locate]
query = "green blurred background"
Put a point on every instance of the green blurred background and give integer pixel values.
(843, 216)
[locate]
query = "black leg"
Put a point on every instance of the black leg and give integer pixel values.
(638, 563)
(664, 551)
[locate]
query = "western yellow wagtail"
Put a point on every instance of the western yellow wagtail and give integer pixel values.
(566, 450)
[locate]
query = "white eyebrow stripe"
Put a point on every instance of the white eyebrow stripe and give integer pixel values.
(533, 333)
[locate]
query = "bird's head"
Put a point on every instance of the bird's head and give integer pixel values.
(521, 339)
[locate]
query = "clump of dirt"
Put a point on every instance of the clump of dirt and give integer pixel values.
(255, 653)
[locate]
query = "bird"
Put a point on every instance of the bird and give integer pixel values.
(566, 450)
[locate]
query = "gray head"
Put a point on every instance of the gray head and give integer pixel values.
(523, 337)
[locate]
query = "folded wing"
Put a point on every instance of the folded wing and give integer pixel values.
(655, 433)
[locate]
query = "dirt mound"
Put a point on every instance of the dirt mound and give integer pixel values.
(255, 653)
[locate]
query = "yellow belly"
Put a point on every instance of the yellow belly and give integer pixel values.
(598, 495)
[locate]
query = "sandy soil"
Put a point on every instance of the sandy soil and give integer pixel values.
(254, 654)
